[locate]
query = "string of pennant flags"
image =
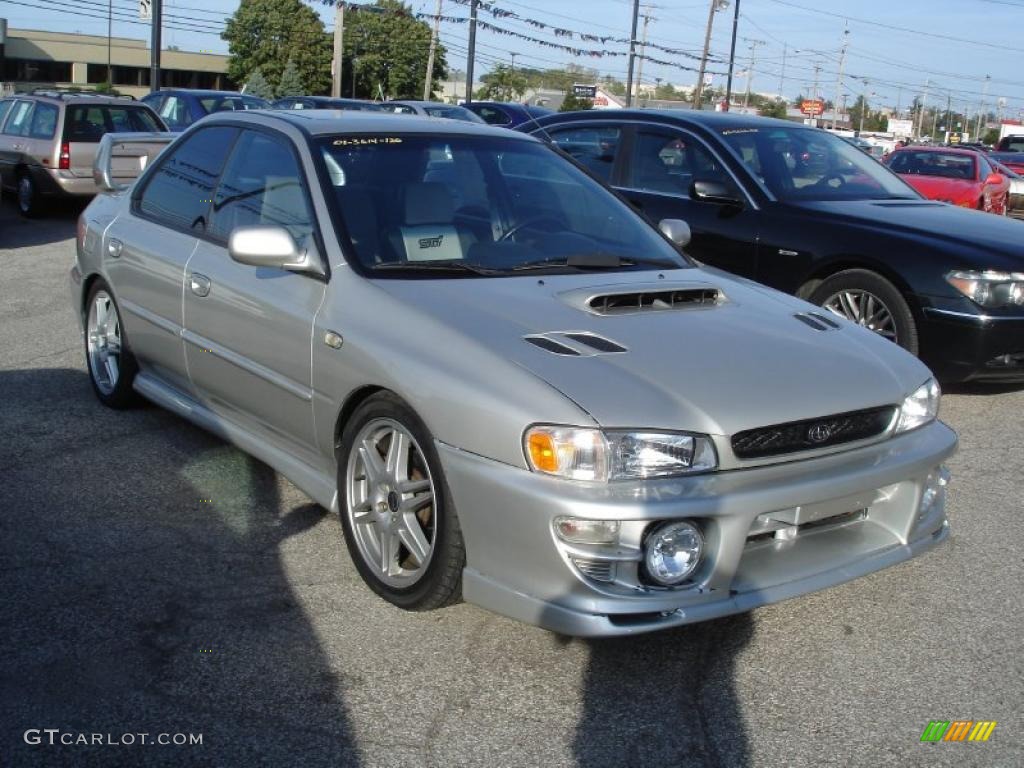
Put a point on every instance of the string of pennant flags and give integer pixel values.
(500, 13)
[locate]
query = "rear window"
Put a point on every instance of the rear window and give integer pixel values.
(231, 103)
(88, 122)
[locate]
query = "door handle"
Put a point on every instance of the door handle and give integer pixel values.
(200, 284)
(114, 247)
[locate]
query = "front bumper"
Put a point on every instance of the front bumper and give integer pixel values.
(964, 346)
(516, 566)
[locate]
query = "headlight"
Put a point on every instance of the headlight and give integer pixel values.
(921, 407)
(990, 289)
(603, 455)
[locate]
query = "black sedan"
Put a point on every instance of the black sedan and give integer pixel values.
(801, 210)
(507, 114)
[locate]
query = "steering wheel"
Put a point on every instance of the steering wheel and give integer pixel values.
(826, 180)
(529, 223)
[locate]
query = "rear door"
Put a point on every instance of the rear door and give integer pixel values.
(248, 330)
(39, 145)
(662, 164)
(146, 251)
(12, 139)
(595, 146)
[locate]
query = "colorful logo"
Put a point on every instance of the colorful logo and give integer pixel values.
(958, 730)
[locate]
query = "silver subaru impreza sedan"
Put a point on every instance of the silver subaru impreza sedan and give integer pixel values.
(510, 386)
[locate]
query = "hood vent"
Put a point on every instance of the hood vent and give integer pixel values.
(645, 301)
(575, 344)
(552, 346)
(817, 321)
(592, 340)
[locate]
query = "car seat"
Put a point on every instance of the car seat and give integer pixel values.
(428, 231)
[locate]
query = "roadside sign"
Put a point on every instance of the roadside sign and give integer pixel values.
(584, 91)
(812, 107)
(146, 10)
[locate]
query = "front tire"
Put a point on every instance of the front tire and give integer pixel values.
(868, 299)
(111, 365)
(400, 524)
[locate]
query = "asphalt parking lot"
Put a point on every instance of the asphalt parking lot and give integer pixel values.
(156, 580)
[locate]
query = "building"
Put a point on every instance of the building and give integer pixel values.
(35, 59)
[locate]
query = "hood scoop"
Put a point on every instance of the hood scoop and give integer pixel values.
(575, 344)
(818, 322)
(628, 302)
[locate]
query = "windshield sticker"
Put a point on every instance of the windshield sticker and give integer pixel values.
(363, 141)
(730, 131)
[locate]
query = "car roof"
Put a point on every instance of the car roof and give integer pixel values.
(420, 103)
(74, 97)
(944, 150)
(710, 120)
(324, 122)
(208, 92)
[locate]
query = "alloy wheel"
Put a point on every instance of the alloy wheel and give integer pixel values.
(390, 503)
(865, 309)
(103, 334)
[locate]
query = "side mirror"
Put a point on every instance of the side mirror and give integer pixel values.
(676, 230)
(267, 246)
(714, 192)
(995, 179)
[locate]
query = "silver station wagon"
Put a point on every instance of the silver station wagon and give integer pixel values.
(510, 387)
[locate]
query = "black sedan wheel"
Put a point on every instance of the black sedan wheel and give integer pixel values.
(868, 299)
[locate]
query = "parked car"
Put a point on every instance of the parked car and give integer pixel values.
(960, 177)
(1012, 160)
(431, 109)
(507, 115)
(1015, 202)
(1011, 144)
(800, 210)
(508, 384)
(326, 102)
(180, 107)
(48, 141)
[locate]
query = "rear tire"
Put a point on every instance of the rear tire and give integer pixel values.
(110, 361)
(397, 512)
(27, 196)
(868, 299)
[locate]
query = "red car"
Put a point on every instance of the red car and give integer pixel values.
(962, 177)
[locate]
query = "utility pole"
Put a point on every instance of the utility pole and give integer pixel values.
(339, 31)
(839, 80)
(110, 23)
(430, 53)
(863, 106)
(817, 71)
(899, 100)
(732, 54)
(643, 50)
(920, 111)
(949, 116)
(716, 5)
(750, 69)
(471, 54)
(981, 108)
(782, 75)
(632, 54)
(155, 45)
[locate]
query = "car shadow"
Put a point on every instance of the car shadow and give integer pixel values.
(53, 225)
(982, 388)
(155, 583)
(679, 684)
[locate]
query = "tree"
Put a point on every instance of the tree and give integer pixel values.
(572, 102)
(265, 34)
(615, 87)
(776, 108)
(502, 84)
(666, 92)
(257, 85)
(387, 47)
(291, 82)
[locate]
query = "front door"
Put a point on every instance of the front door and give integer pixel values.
(661, 166)
(248, 330)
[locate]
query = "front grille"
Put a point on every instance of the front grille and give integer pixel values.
(601, 570)
(808, 434)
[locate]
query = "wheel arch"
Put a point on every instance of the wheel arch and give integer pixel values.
(355, 398)
(846, 262)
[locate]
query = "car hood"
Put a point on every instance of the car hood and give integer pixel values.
(744, 362)
(962, 229)
(937, 188)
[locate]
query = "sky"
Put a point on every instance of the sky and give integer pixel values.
(952, 45)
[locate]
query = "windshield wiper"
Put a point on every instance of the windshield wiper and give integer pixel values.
(444, 267)
(595, 260)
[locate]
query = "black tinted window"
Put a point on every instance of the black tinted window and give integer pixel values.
(595, 148)
(261, 185)
(670, 162)
(5, 107)
(179, 192)
(44, 121)
(88, 123)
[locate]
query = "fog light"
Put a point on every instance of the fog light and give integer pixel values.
(672, 553)
(934, 491)
(579, 531)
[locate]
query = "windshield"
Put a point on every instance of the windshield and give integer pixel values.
(481, 205)
(810, 164)
(946, 165)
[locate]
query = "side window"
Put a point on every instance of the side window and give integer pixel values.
(493, 116)
(984, 169)
(670, 162)
(143, 120)
(174, 111)
(44, 121)
(17, 124)
(179, 192)
(5, 107)
(595, 148)
(262, 185)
